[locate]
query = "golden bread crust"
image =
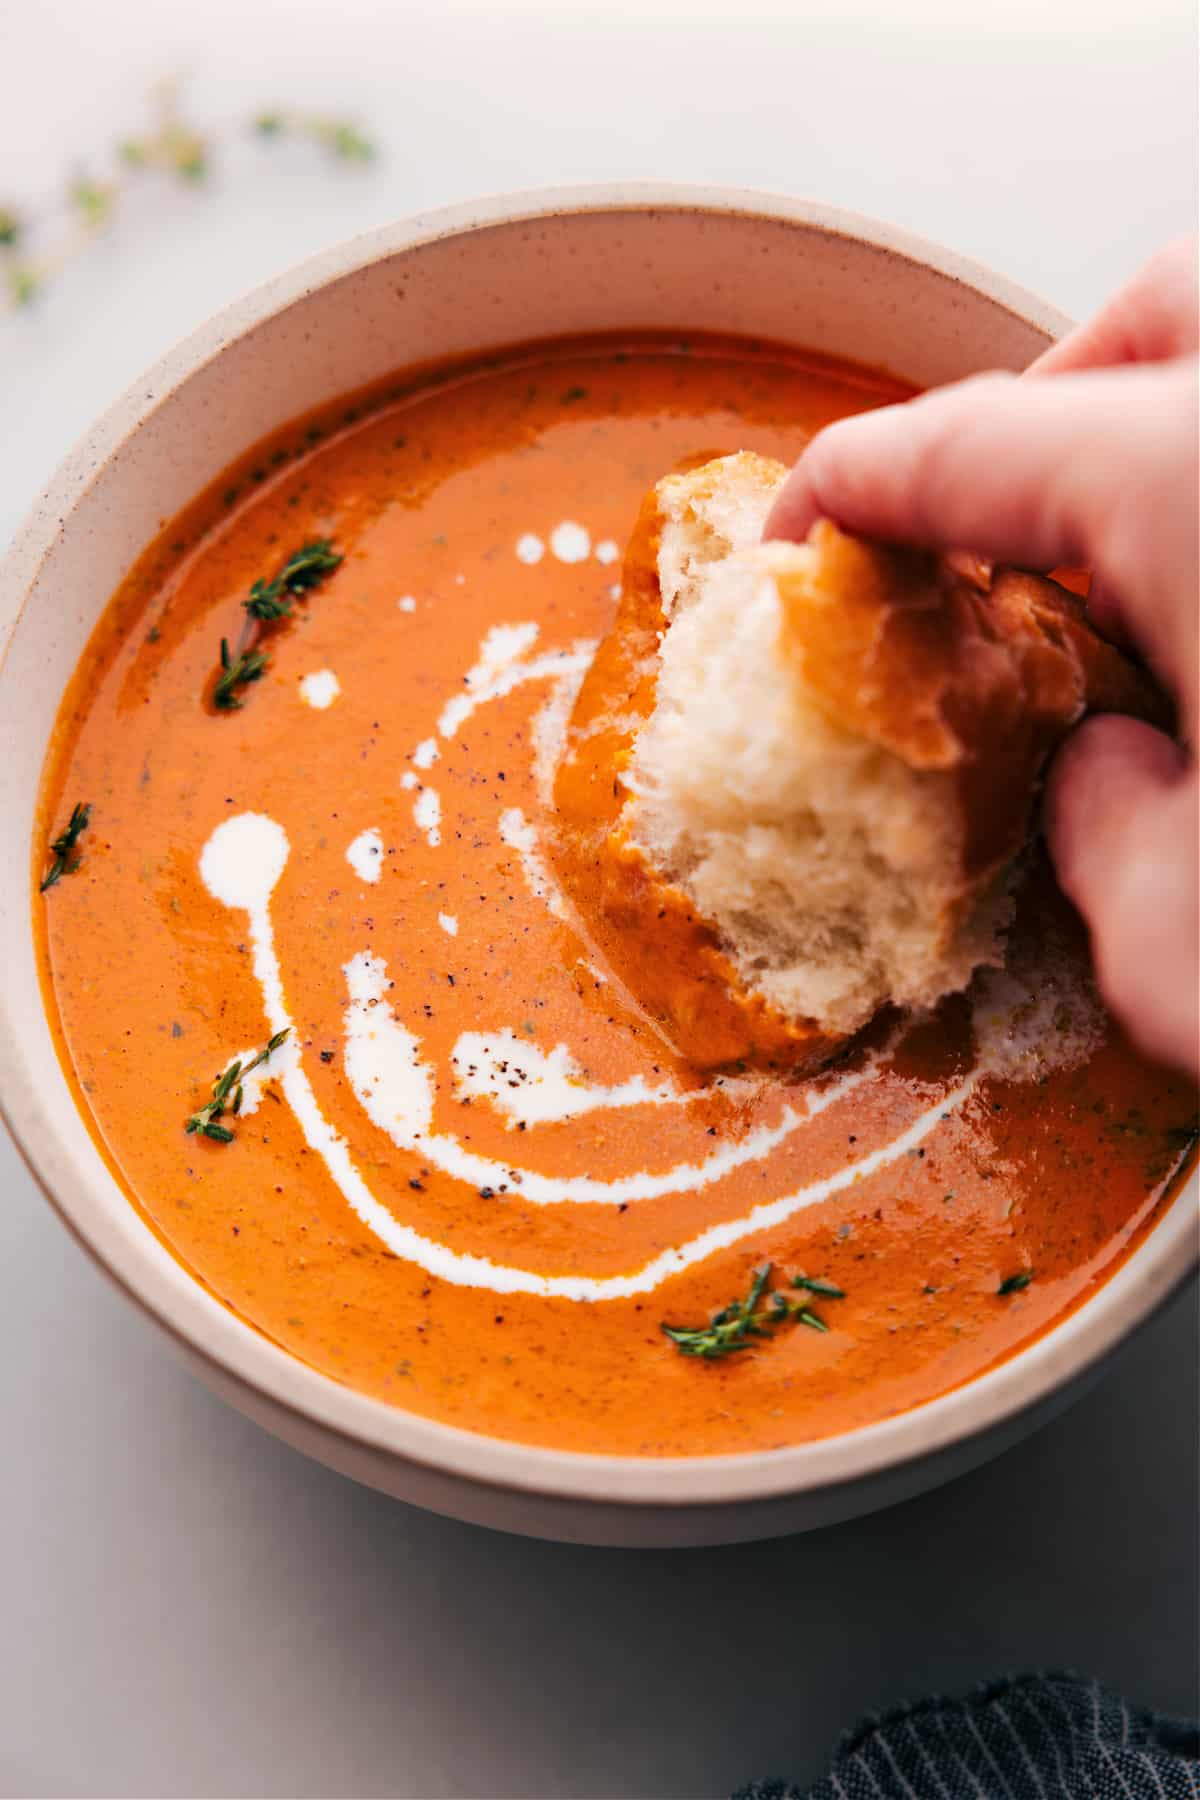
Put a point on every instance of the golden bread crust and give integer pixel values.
(941, 663)
(982, 674)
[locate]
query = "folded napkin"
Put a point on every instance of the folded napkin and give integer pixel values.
(1030, 1737)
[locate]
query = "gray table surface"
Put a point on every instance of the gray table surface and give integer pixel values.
(187, 1607)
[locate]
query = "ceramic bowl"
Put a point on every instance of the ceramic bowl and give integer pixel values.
(468, 279)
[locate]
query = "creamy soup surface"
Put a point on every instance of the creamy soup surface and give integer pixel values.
(473, 1181)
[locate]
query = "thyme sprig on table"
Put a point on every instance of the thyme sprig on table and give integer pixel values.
(38, 240)
(269, 602)
(737, 1325)
(227, 1094)
(342, 140)
(62, 846)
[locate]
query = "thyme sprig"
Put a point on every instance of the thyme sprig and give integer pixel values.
(304, 569)
(62, 846)
(227, 1094)
(341, 139)
(269, 602)
(36, 242)
(737, 1325)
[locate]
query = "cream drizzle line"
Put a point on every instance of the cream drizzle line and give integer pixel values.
(497, 671)
(549, 667)
(532, 1087)
(241, 865)
(395, 1090)
(517, 832)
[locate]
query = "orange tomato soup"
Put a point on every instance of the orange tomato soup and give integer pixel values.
(473, 1181)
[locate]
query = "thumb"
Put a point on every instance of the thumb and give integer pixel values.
(1121, 821)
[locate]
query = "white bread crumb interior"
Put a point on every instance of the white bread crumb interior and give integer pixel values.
(831, 869)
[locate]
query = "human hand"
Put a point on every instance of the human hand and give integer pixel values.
(1095, 467)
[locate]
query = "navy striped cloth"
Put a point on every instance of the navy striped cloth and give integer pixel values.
(1031, 1737)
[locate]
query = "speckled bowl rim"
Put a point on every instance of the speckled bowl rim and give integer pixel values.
(234, 1350)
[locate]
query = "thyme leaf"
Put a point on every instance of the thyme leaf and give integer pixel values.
(227, 1094)
(62, 846)
(737, 1325)
(825, 1288)
(1015, 1284)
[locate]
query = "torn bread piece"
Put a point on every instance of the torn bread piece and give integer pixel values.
(797, 775)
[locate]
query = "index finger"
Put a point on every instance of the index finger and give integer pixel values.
(1095, 469)
(989, 465)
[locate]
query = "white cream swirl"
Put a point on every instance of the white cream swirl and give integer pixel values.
(396, 1086)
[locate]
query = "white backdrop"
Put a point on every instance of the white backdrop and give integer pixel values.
(185, 1607)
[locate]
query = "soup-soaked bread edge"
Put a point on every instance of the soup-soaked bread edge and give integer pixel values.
(796, 775)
